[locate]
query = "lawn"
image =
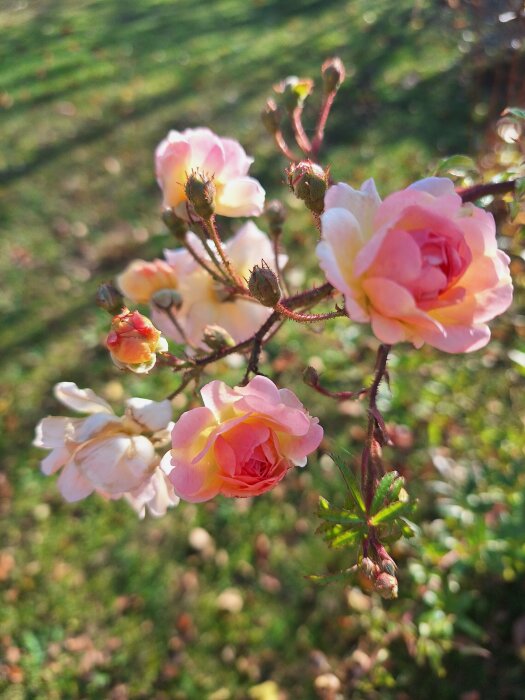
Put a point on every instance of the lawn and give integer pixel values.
(212, 602)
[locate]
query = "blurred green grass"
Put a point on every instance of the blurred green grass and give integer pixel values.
(98, 605)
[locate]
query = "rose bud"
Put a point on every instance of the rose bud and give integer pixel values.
(264, 286)
(109, 298)
(386, 586)
(200, 192)
(309, 182)
(166, 299)
(133, 342)
(333, 72)
(311, 377)
(271, 116)
(217, 338)
(294, 91)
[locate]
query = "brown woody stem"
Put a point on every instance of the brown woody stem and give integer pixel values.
(375, 432)
(471, 194)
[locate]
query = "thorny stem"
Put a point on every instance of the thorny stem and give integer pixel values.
(301, 138)
(191, 250)
(323, 118)
(307, 318)
(339, 395)
(212, 228)
(283, 146)
(471, 194)
(375, 425)
(253, 362)
(311, 296)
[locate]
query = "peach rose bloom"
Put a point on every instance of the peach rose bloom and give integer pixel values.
(204, 300)
(420, 266)
(104, 453)
(241, 442)
(141, 279)
(224, 159)
(133, 341)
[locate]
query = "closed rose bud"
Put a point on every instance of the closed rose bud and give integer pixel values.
(133, 341)
(309, 182)
(369, 567)
(294, 91)
(386, 585)
(217, 338)
(271, 116)
(109, 298)
(176, 226)
(264, 286)
(333, 72)
(310, 377)
(167, 298)
(200, 192)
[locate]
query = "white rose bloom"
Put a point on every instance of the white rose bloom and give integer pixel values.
(114, 456)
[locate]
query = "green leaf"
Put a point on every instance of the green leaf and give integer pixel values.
(388, 513)
(351, 482)
(382, 489)
(517, 112)
(337, 515)
(343, 518)
(408, 528)
(346, 538)
(396, 488)
(456, 165)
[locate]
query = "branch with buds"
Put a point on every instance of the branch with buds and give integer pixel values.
(395, 265)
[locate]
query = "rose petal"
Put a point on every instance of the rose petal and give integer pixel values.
(81, 400)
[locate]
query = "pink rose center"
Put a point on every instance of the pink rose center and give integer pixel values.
(443, 261)
(249, 459)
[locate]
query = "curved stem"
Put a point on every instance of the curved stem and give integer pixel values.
(317, 141)
(471, 194)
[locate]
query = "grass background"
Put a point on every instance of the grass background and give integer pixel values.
(98, 605)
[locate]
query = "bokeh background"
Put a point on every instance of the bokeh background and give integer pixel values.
(212, 602)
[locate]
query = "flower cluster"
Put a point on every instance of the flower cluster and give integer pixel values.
(240, 443)
(421, 266)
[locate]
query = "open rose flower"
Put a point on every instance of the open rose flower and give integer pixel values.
(104, 453)
(222, 159)
(241, 442)
(205, 302)
(419, 266)
(134, 341)
(141, 279)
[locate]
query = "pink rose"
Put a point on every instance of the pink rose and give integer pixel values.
(225, 160)
(241, 443)
(420, 266)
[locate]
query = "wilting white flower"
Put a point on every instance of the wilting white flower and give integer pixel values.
(111, 455)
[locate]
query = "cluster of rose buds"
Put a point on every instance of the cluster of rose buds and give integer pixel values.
(420, 266)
